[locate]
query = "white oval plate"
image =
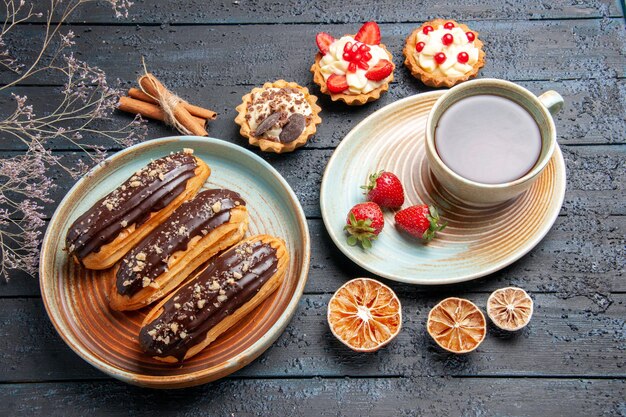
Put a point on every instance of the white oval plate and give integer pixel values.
(475, 243)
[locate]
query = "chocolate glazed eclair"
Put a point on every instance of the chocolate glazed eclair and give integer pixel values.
(116, 223)
(233, 284)
(211, 222)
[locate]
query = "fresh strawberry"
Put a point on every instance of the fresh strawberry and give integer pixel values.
(337, 83)
(385, 189)
(323, 41)
(420, 221)
(380, 70)
(369, 33)
(365, 221)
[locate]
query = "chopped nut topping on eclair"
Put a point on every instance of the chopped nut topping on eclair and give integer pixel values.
(196, 217)
(131, 203)
(215, 293)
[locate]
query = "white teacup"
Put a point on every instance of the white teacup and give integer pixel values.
(540, 108)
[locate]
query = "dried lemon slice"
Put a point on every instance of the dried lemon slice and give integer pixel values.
(510, 308)
(364, 314)
(457, 325)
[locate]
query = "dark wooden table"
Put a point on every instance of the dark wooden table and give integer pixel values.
(571, 360)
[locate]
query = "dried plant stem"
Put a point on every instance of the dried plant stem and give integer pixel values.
(86, 103)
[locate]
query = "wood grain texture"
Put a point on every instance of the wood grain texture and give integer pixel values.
(194, 56)
(569, 261)
(577, 336)
(594, 181)
(593, 113)
(376, 397)
(213, 53)
(329, 11)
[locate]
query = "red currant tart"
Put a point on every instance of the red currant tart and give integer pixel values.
(442, 53)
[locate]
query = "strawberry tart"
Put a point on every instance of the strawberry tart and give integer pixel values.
(353, 69)
(278, 117)
(442, 53)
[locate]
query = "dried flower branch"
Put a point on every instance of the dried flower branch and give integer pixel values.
(86, 103)
(24, 182)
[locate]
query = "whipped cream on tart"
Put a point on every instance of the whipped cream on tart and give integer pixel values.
(231, 286)
(279, 117)
(442, 53)
(118, 221)
(198, 229)
(355, 69)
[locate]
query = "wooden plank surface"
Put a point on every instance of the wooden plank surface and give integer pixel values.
(578, 336)
(595, 181)
(594, 111)
(327, 11)
(569, 361)
(373, 397)
(569, 261)
(201, 56)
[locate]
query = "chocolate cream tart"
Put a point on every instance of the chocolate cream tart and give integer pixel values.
(117, 222)
(232, 285)
(211, 222)
(279, 117)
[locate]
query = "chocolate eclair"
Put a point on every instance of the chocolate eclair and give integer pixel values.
(117, 222)
(198, 229)
(233, 284)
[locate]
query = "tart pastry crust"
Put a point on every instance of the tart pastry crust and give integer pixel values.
(439, 80)
(267, 145)
(271, 285)
(349, 99)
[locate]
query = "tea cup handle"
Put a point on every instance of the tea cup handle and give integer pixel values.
(552, 101)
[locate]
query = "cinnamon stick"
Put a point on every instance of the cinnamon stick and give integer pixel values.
(152, 86)
(197, 111)
(149, 110)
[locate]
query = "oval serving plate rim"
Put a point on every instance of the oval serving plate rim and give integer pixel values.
(521, 251)
(205, 375)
